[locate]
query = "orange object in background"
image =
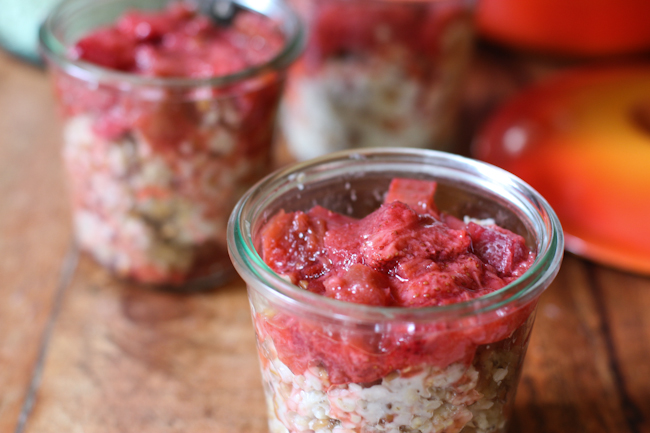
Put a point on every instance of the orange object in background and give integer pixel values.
(582, 139)
(567, 27)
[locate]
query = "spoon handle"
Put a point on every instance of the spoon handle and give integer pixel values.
(221, 12)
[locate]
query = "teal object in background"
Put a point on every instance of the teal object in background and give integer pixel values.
(19, 22)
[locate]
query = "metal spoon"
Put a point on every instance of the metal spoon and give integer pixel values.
(221, 12)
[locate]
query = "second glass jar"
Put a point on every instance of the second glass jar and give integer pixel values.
(156, 163)
(377, 73)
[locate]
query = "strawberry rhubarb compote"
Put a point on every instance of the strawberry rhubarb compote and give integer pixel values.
(404, 254)
(168, 119)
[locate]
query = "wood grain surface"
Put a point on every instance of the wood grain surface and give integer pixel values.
(82, 352)
(126, 359)
(34, 228)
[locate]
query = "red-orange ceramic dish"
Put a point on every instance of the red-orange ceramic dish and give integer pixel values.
(575, 28)
(582, 139)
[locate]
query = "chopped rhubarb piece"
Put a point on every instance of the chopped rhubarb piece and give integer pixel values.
(292, 245)
(359, 284)
(505, 251)
(418, 194)
(108, 48)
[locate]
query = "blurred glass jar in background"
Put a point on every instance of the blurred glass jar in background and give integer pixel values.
(377, 73)
(159, 145)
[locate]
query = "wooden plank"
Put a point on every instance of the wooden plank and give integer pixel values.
(624, 300)
(127, 359)
(34, 226)
(567, 383)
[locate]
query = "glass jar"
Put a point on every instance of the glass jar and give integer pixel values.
(377, 73)
(335, 366)
(157, 163)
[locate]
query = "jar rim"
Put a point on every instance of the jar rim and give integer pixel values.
(55, 50)
(249, 264)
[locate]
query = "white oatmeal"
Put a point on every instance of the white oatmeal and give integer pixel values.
(149, 214)
(423, 399)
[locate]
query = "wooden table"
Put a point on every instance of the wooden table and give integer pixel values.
(80, 352)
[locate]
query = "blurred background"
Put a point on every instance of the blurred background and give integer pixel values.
(557, 92)
(496, 82)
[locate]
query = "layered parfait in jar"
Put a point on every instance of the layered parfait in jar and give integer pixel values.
(377, 73)
(393, 291)
(168, 118)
